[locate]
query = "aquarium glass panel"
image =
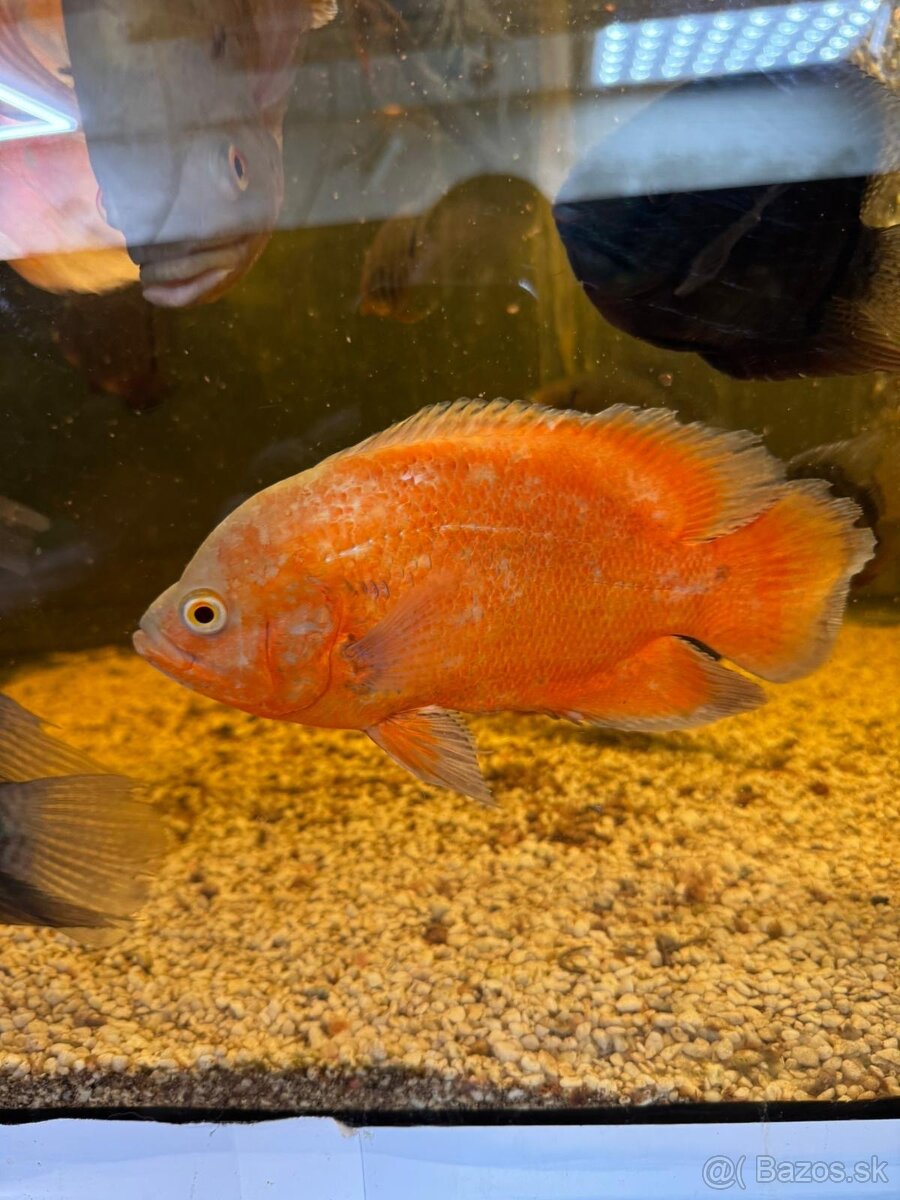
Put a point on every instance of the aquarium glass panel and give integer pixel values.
(449, 555)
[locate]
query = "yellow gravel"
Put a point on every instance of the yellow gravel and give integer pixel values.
(686, 917)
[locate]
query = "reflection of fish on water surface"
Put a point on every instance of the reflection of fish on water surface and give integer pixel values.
(183, 106)
(474, 237)
(429, 47)
(51, 231)
(766, 281)
(461, 27)
(77, 844)
(195, 183)
(424, 572)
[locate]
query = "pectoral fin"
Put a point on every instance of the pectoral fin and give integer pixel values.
(436, 747)
(407, 651)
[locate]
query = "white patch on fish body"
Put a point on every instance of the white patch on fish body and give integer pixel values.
(674, 586)
(690, 589)
(482, 473)
(475, 528)
(651, 496)
(351, 551)
(420, 474)
(313, 622)
(260, 570)
(472, 614)
(533, 485)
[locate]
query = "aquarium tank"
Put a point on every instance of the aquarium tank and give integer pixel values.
(449, 554)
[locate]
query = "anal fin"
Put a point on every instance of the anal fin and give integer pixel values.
(436, 747)
(669, 684)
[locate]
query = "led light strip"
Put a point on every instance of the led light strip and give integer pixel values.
(706, 45)
(46, 120)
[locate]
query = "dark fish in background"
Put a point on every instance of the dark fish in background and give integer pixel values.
(37, 556)
(111, 340)
(77, 844)
(281, 459)
(475, 236)
(19, 527)
(775, 280)
(397, 270)
(712, 259)
(48, 570)
(183, 104)
(593, 391)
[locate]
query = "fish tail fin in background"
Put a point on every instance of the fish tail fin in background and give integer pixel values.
(865, 469)
(850, 468)
(869, 321)
(786, 575)
(77, 844)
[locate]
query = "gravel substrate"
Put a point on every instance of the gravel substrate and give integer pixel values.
(705, 916)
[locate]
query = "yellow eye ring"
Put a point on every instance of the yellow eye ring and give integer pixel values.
(204, 612)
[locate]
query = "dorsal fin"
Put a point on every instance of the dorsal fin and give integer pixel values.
(698, 482)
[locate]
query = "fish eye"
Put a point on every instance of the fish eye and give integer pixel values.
(204, 612)
(237, 166)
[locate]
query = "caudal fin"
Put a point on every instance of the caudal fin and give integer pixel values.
(76, 851)
(785, 579)
(77, 844)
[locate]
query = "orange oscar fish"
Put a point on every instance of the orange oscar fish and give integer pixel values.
(487, 556)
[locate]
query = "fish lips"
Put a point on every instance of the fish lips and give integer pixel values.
(183, 273)
(152, 644)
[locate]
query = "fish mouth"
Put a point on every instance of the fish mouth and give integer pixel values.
(153, 645)
(196, 289)
(167, 254)
(180, 273)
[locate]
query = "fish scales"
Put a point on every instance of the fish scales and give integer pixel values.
(509, 541)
